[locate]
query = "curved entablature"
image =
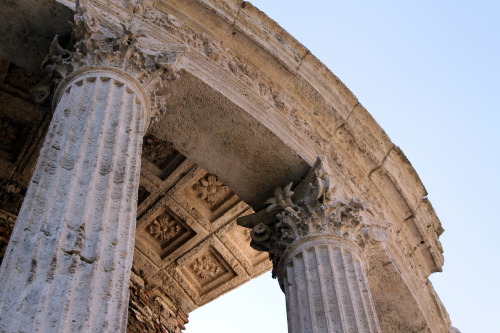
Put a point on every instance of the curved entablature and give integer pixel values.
(239, 96)
(241, 54)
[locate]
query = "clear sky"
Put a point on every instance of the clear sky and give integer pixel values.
(429, 73)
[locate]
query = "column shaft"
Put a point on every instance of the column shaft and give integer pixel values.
(315, 239)
(68, 263)
(327, 290)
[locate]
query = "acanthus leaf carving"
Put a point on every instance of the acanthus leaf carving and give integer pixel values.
(314, 207)
(282, 199)
(100, 43)
(54, 68)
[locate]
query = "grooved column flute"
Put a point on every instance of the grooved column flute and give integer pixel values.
(316, 239)
(326, 288)
(67, 266)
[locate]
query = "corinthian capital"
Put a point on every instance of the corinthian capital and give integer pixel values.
(314, 207)
(102, 40)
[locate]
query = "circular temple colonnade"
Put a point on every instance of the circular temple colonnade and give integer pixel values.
(175, 150)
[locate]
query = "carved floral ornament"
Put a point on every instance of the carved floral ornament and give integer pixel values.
(209, 188)
(205, 267)
(102, 43)
(164, 228)
(315, 207)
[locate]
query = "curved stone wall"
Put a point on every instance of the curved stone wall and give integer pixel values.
(237, 95)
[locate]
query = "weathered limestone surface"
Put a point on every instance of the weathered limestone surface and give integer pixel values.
(240, 107)
(327, 290)
(73, 242)
(315, 240)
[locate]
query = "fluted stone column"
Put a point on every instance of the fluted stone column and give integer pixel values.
(67, 267)
(326, 288)
(316, 240)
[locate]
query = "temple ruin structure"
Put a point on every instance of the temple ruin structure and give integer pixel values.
(155, 155)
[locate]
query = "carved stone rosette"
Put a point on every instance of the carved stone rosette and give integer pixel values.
(316, 239)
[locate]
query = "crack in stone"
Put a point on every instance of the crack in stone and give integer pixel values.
(82, 257)
(243, 5)
(302, 58)
(383, 161)
(348, 117)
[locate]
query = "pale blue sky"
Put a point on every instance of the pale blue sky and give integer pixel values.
(429, 73)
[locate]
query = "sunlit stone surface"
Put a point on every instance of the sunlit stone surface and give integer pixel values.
(225, 106)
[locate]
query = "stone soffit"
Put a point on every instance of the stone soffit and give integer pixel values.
(186, 232)
(189, 249)
(243, 85)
